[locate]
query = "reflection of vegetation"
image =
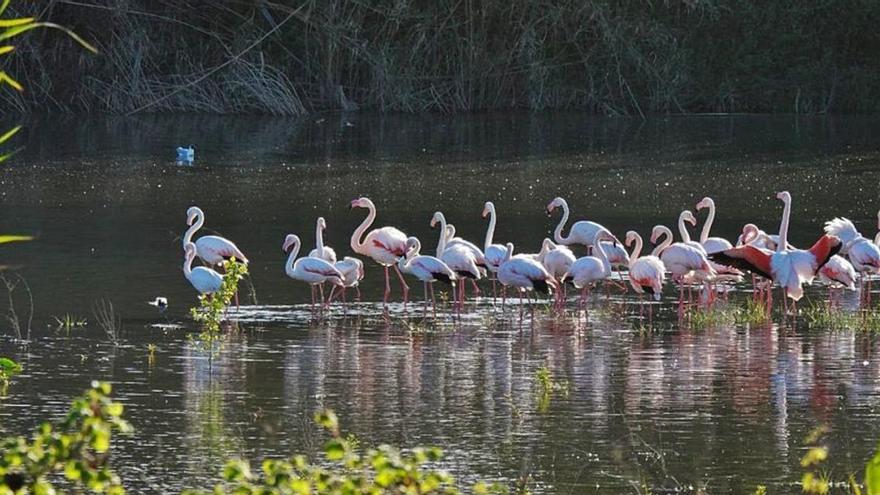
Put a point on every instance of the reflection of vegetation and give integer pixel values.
(212, 307)
(547, 386)
(813, 480)
(8, 369)
(77, 448)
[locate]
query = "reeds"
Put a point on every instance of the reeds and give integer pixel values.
(617, 58)
(108, 319)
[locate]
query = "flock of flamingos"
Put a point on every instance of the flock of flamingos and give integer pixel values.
(838, 258)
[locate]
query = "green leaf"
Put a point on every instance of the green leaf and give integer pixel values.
(872, 475)
(4, 5)
(5, 23)
(15, 238)
(9, 365)
(6, 49)
(334, 450)
(15, 31)
(8, 134)
(6, 78)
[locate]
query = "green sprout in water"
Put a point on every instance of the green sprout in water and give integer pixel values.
(68, 322)
(212, 307)
(547, 386)
(8, 369)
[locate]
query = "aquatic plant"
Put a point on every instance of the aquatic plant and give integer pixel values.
(12, 283)
(76, 449)
(701, 318)
(109, 321)
(547, 386)
(813, 480)
(8, 369)
(151, 354)
(754, 313)
(212, 307)
(346, 468)
(824, 316)
(68, 322)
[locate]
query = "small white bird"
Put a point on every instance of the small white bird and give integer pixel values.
(205, 280)
(160, 302)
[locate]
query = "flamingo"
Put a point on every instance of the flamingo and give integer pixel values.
(313, 271)
(428, 269)
(457, 242)
(723, 273)
(711, 244)
(205, 280)
(525, 274)
(213, 249)
(326, 253)
(494, 253)
(458, 257)
(352, 270)
(862, 253)
(754, 236)
(684, 261)
(877, 237)
(557, 259)
(385, 245)
(837, 273)
(582, 232)
(646, 273)
(588, 270)
(790, 268)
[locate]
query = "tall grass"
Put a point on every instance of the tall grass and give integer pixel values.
(631, 57)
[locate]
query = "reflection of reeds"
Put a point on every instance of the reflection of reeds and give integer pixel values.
(108, 319)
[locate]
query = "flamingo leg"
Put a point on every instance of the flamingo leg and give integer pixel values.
(387, 286)
(476, 288)
(433, 300)
(494, 291)
(358, 292)
(402, 286)
(426, 299)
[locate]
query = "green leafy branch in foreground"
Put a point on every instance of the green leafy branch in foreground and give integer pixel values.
(78, 447)
(212, 307)
(384, 469)
(8, 369)
(10, 28)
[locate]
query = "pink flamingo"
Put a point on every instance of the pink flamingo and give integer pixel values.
(213, 249)
(525, 274)
(588, 270)
(582, 232)
(684, 261)
(384, 245)
(428, 269)
(837, 273)
(352, 270)
(789, 268)
(646, 273)
(326, 253)
(205, 280)
(458, 256)
(313, 271)
(711, 244)
(862, 253)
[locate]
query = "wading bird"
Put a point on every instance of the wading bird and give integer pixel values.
(205, 280)
(313, 271)
(384, 245)
(428, 269)
(213, 249)
(646, 273)
(711, 244)
(581, 232)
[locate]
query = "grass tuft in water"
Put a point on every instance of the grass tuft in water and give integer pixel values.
(548, 386)
(825, 317)
(108, 320)
(754, 313)
(64, 324)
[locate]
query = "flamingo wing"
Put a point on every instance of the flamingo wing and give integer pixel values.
(749, 258)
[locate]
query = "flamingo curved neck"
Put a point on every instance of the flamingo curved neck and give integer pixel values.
(682, 229)
(557, 234)
(509, 253)
(600, 251)
(187, 264)
(664, 231)
(704, 234)
(783, 227)
(356, 244)
(441, 243)
(319, 239)
(191, 231)
(490, 232)
(637, 250)
(291, 258)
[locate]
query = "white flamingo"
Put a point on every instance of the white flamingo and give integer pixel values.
(205, 280)
(494, 253)
(646, 273)
(352, 270)
(711, 244)
(837, 273)
(384, 245)
(326, 253)
(588, 270)
(213, 249)
(582, 232)
(525, 274)
(313, 271)
(458, 257)
(877, 237)
(684, 261)
(862, 253)
(790, 268)
(428, 269)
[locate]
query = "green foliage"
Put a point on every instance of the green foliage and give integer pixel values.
(212, 307)
(345, 470)
(8, 369)
(754, 313)
(78, 448)
(824, 317)
(872, 475)
(761, 490)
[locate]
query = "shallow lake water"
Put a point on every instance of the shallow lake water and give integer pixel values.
(676, 409)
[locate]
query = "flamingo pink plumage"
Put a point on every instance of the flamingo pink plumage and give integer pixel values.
(581, 232)
(711, 244)
(428, 269)
(384, 245)
(213, 249)
(313, 271)
(326, 253)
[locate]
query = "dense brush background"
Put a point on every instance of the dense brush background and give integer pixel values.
(605, 56)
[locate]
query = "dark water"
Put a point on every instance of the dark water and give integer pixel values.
(726, 408)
